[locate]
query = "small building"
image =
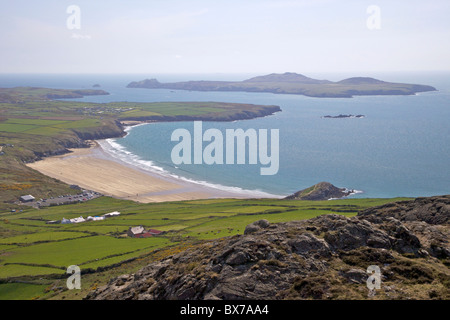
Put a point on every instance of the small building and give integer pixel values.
(77, 220)
(134, 231)
(111, 214)
(140, 232)
(95, 218)
(154, 231)
(143, 235)
(65, 221)
(27, 198)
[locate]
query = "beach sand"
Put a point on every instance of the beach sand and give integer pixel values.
(94, 169)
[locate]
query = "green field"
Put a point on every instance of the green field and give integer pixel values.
(39, 253)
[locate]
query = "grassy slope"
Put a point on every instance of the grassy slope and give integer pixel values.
(38, 252)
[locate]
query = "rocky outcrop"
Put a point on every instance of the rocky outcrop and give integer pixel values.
(320, 191)
(433, 210)
(321, 258)
(344, 116)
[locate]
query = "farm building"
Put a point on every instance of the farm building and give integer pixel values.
(133, 231)
(65, 221)
(111, 214)
(77, 220)
(154, 231)
(140, 232)
(95, 218)
(27, 198)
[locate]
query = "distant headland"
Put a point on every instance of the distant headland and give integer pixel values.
(293, 83)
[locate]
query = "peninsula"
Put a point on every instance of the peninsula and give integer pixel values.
(293, 83)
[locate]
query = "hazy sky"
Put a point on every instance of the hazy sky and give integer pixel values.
(228, 36)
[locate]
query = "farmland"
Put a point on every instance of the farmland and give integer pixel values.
(37, 254)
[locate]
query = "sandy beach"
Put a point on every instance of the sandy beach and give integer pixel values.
(94, 169)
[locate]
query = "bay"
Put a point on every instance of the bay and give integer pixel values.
(400, 148)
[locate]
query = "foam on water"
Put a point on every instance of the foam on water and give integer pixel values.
(118, 151)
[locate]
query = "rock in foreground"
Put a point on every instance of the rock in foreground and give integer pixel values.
(321, 258)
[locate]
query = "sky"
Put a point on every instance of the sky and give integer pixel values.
(223, 36)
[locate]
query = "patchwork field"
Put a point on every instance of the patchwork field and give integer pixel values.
(37, 254)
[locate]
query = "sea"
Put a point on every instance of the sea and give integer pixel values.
(400, 148)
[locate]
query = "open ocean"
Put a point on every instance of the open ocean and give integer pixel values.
(400, 148)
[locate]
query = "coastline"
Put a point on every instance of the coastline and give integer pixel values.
(95, 169)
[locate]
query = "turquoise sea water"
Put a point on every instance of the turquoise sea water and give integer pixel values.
(400, 148)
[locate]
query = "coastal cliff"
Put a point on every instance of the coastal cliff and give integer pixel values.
(321, 258)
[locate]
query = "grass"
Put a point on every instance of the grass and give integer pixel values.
(78, 251)
(33, 250)
(13, 127)
(41, 237)
(21, 291)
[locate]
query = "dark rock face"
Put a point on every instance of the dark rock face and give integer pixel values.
(256, 226)
(320, 191)
(434, 210)
(321, 258)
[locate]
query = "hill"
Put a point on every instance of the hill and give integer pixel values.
(320, 191)
(293, 83)
(286, 77)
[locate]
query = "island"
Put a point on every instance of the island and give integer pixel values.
(343, 116)
(293, 83)
(321, 191)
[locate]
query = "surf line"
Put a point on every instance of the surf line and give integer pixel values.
(235, 140)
